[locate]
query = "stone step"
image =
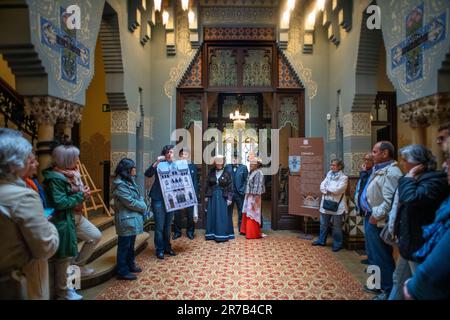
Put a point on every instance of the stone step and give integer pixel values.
(105, 265)
(108, 241)
(102, 221)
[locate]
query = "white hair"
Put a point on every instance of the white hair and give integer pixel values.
(65, 157)
(418, 154)
(14, 153)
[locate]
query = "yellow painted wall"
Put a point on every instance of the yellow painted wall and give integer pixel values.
(95, 128)
(6, 73)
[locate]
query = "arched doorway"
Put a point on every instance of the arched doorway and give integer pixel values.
(243, 64)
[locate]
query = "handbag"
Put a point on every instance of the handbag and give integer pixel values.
(386, 236)
(331, 205)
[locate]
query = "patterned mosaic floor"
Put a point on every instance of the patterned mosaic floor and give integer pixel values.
(277, 267)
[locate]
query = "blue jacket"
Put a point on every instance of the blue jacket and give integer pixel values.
(432, 277)
(364, 176)
(155, 191)
(129, 206)
(239, 178)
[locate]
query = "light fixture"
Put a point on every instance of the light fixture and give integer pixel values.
(311, 20)
(291, 5)
(165, 17)
(285, 19)
(185, 4)
(239, 120)
(237, 117)
(158, 4)
(320, 6)
(191, 17)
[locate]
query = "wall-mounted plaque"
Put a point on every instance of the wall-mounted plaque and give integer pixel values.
(304, 187)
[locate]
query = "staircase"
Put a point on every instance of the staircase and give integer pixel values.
(103, 260)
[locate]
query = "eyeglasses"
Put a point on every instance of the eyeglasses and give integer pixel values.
(440, 139)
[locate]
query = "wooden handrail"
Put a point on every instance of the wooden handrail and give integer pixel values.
(5, 87)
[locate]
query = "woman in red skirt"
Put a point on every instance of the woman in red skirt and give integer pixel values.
(251, 211)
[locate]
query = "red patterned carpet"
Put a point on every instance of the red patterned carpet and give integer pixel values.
(277, 267)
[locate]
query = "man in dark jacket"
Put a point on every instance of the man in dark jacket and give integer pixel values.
(239, 174)
(163, 218)
(185, 155)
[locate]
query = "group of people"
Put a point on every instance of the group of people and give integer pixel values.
(38, 224)
(404, 211)
(226, 185)
(407, 211)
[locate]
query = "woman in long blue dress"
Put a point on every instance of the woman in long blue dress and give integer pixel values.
(219, 195)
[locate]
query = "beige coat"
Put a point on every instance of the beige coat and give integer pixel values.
(380, 191)
(27, 238)
(333, 188)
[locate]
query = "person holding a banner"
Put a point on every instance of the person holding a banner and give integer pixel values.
(333, 205)
(163, 218)
(192, 212)
(219, 195)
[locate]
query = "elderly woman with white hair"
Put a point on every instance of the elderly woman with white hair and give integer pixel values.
(66, 193)
(219, 195)
(420, 193)
(333, 205)
(27, 238)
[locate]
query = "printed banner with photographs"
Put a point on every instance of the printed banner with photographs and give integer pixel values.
(176, 185)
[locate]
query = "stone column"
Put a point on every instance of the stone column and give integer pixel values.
(357, 142)
(46, 111)
(418, 135)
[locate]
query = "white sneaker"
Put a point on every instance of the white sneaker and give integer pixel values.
(71, 294)
(86, 271)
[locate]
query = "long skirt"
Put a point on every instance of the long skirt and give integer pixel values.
(251, 217)
(219, 224)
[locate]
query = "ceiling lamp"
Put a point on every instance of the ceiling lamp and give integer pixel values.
(285, 19)
(239, 120)
(185, 4)
(311, 20)
(158, 4)
(191, 17)
(165, 17)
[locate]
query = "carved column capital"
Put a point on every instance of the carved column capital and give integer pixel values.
(71, 113)
(44, 109)
(426, 111)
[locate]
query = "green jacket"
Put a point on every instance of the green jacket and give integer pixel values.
(129, 206)
(63, 200)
